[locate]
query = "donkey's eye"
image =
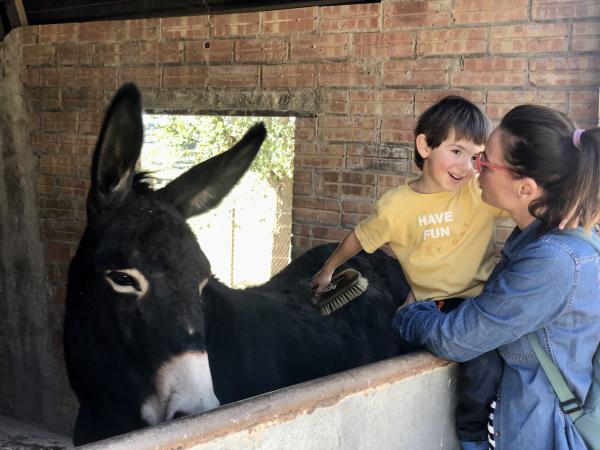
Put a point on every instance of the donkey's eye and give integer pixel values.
(127, 281)
(123, 279)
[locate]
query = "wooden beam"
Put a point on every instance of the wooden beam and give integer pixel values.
(21, 12)
(52, 11)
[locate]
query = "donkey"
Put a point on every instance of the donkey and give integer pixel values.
(151, 335)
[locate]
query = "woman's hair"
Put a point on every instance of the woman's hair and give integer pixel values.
(538, 143)
(451, 114)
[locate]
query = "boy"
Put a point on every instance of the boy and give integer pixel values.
(442, 234)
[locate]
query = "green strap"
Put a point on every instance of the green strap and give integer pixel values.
(568, 403)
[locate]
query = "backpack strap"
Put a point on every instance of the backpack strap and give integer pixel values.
(568, 403)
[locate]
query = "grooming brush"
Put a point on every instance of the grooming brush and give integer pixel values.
(344, 287)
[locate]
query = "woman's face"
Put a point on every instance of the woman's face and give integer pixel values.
(498, 187)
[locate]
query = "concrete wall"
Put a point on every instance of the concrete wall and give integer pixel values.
(356, 76)
(30, 366)
(402, 403)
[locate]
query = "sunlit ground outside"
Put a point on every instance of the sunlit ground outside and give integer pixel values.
(247, 237)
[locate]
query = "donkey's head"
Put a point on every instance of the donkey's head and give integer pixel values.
(134, 328)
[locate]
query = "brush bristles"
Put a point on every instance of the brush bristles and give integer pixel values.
(344, 297)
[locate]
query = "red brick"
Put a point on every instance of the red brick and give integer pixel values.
(288, 75)
(65, 32)
(233, 76)
(183, 76)
(357, 206)
(300, 229)
(397, 130)
(305, 129)
(318, 48)
(85, 77)
(260, 50)
(564, 9)
(310, 148)
(415, 14)
(80, 99)
(120, 30)
(315, 203)
(304, 176)
(500, 102)
(302, 188)
(530, 38)
(491, 72)
(303, 162)
(161, 52)
(215, 50)
(329, 233)
(363, 150)
(489, 11)
(31, 76)
(351, 220)
(360, 17)
(59, 122)
(422, 72)
(301, 215)
(586, 36)
(57, 252)
(192, 27)
(424, 99)
(362, 129)
(39, 55)
(389, 181)
(334, 102)
(145, 77)
(378, 102)
(116, 54)
(75, 54)
(565, 71)
(348, 74)
(583, 108)
(459, 41)
(244, 24)
(298, 20)
(384, 45)
(45, 99)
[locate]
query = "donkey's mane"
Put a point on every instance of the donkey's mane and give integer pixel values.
(142, 182)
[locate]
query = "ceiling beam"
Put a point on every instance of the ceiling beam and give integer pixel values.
(61, 11)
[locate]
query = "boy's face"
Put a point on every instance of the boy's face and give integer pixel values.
(449, 166)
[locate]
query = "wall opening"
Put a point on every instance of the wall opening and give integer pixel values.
(235, 236)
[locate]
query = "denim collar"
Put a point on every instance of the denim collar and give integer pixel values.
(518, 239)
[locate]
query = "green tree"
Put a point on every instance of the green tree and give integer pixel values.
(200, 137)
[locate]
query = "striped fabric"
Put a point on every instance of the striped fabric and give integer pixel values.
(491, 426)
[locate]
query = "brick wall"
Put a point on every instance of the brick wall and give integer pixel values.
(356, 76)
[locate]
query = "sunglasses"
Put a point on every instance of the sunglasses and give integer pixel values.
(478, 163)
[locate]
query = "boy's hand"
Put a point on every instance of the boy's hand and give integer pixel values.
(320, 280)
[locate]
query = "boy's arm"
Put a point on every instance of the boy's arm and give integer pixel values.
(349, 247)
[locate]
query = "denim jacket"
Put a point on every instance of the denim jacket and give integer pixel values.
(547, 284)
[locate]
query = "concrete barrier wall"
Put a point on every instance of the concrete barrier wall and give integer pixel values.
(401, 403)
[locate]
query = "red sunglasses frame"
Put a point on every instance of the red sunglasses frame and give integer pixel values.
(478, 164)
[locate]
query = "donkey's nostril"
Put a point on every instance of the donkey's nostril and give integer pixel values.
(179, 414)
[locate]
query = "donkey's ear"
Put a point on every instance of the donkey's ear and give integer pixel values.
(117, 150)
(203, 186)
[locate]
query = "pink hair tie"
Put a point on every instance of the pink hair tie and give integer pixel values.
(577, 138)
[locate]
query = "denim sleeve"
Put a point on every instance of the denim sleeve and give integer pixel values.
(529, 293)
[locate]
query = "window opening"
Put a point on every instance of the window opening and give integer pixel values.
(247, 237)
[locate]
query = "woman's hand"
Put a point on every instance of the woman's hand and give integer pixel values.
(320, 280)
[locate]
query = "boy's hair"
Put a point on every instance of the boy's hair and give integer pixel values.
(538, 143)
(452, 113)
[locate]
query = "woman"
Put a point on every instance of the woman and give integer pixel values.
(539, 168)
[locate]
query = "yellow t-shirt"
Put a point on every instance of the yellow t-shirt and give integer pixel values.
(444, 241)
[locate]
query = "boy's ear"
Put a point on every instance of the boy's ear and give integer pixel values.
(422, 147)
